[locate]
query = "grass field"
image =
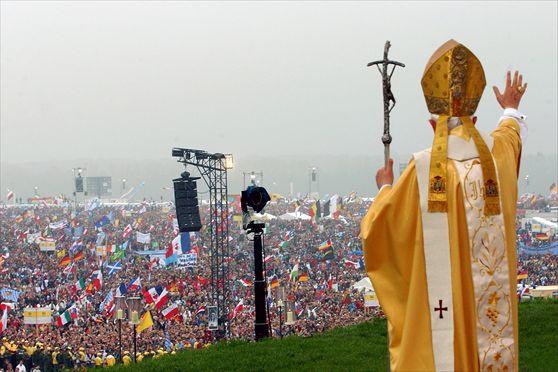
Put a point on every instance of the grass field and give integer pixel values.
(355, 348)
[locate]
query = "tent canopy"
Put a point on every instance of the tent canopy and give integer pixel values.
(364, 285)
(294, 216)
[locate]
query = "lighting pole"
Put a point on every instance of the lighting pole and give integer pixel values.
(134, 304)
(280, 304)
(123, 184)
(120, 305)
(313, 176)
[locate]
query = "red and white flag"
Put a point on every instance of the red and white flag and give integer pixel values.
(170, 312)
(237, 309)
(127, 231)
(245, 282)
(10, 195)
(97, 279)
(4, 321)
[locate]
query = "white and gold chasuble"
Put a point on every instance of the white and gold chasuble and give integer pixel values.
(446, 281)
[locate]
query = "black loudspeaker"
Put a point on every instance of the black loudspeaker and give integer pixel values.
(186, 202)
(79, 184)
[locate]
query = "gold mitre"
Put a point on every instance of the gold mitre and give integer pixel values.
(453, 81)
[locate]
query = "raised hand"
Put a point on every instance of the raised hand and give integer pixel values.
(514, 91)
(384, 176)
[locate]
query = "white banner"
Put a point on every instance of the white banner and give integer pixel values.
(47, 246)
(58, 225)
(39, 315)
(187, 260)
(370, 299)
(143, 238)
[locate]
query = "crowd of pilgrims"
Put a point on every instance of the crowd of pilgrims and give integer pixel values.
(321, 295)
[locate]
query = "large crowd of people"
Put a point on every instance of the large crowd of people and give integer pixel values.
(319, 293)
(69, 259)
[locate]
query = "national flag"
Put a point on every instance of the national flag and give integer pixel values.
(146, 321)
(268, 259)
(121, 290)
(237, 309)
(303, 277)
(73, 310)
(107, 303)
(64, 318)
(200, 310)
(325, 245)
(4, 321)
(157, 295)
(170, 312)
(19, 219)
(541, 236)
(118, 254)
(134, 284)
(168, 343)
(65, 261)
(113, 268)
(127, 231)
(294, 273)
(355, 265)
(245, 282)
(97, 278)
(9, 294)
(522, 275)
(7, 305)
(102, 222)
(9, 195)
(181, 243)
(283, 244)
(274, 282)
(79, 285)
(78, 256)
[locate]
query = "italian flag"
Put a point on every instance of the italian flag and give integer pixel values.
(79, 285)
(64, 318)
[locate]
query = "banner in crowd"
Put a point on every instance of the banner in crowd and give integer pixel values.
(370, 299)
(143, 238)
(551, 248)
(58, 225)
(47, 246)
(188, 259)
(37, 315)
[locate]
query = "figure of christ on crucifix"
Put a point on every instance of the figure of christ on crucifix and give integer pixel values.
(424, 236)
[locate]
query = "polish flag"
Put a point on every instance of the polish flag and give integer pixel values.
(4, 321)
(238, 308)
(127, 231)
(170, 312)
(268, 258)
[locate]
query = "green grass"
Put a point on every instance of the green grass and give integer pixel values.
(355, 348)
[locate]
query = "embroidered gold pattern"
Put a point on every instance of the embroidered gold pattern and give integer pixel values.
(489, 267)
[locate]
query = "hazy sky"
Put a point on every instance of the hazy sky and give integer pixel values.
(132, 79)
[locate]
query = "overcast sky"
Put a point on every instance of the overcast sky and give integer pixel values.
(133, 79)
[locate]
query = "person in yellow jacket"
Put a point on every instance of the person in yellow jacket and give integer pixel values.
(54, 356)
(98, 361)
(139, 357)
(126, 358)
(111, 360)
(82, 356)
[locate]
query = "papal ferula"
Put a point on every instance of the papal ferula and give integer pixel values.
(439, 245)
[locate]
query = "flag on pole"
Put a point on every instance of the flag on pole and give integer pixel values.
(4, 321)
(146, 321)
(65, 261)
(64, 318)
(200, 310)
(294, 273)
(170, 312)
(9, 195)
(237, 309)
(134, 284)
(157, 295)
(121, 290)
(245, 282)
(97, 277)
(79, 285)
(113, 268)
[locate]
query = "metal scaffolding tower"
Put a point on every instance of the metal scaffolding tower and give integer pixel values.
(213, 169)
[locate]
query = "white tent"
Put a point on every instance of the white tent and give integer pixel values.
(546, 223)
(364, 285)
(264, 217)
(294, 216)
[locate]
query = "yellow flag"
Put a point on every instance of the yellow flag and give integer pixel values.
(145, 322)
(61, 253)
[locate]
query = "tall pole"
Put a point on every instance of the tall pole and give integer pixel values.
(261, 327)
(120, 338)
(135, 343)
(281, 321)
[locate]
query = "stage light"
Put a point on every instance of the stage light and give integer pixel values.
(177, 152)
(186, 202)
(229, 161)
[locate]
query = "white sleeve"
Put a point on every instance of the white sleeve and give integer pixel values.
(520, 118)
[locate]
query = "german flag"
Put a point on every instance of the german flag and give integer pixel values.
(274, 283)
(326, 250)
(522, 275)
(325, 245)
(65, 261)
(303, 277)
(78, 256)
